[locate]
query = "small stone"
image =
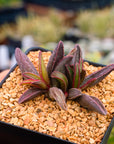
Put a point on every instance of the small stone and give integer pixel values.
(91, 141)
(39, 110)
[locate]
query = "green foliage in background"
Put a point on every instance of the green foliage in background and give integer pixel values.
(94, 57)
(42, 28)
(97, 22)
(111, 138)
(8, 3)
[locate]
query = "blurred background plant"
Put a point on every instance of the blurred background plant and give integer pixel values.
(9, 3)
(99, 23)
(43, 29)
(111, 138)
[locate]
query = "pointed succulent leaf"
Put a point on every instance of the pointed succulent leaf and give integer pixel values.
(54, 83)
(30, 75)
(41, 84)
(76, 77)
(69, 73)
(92, 103)
(35, 83)
(81, 64)
(24, 62)
(97, 76)
(29, 94)
(42, 69)
(61, 78)
(58, 95)
(56, 56)
(77, 55)
(82, 75)
(27, 82)
(74, 93)
(61, 65)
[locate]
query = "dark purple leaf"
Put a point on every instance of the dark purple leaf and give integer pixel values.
(31, 76)
(77, 55)
(97, 76)
(61, 65)
(58, 95)
(92, 103)
(61, 78)
(24, 62)
(35, 83)
(27, 82)
(82, 75)
(81, 64)
(54, 83)
(56, 56)
(41, 84)
(29, 94)
(74, 93)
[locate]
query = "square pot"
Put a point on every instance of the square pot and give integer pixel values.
(14, 134)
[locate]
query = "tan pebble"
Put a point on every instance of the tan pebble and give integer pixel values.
(50, 123)
(78, 124)
(26, 126)
(52, 129)
(26, 121)
(112, 111)
(91, 141)
(5, 104)
(72, 112)
(87, 133)
(5, 96)
(12, 100)
(11, 105)
(91, 123)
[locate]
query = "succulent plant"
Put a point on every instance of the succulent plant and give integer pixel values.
(62, 79)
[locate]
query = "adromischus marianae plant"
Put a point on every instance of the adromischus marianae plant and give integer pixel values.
(63, 79)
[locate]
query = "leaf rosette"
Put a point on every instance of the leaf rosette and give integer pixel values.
(62, 79)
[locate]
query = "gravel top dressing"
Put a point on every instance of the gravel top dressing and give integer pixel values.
(77, 124)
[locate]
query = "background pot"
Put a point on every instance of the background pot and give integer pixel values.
(14, 134)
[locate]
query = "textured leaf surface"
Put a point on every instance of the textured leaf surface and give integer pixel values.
(57, 94)
(27, 82)
(76, 77)
(97, 76)
(56, 56)
(24, 63)
(69, 74)
(74, 93)
(29, 94)
(61, 68)
(36, 83)
(31, 76)
(61, 78)
(81, 64)
(77, 55)
(42, 69)
(61, 65)
(82, 75)
(92, 103)
(40, 84)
